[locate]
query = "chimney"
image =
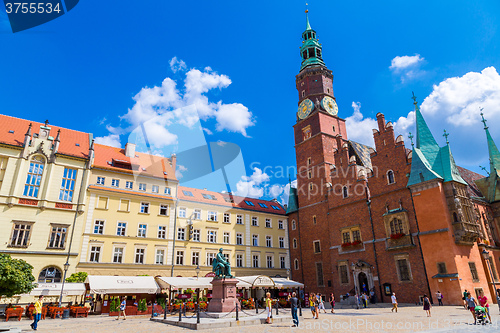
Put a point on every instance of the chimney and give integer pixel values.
(57, 140)
(381, 122)
(173, 160)
(130, 149)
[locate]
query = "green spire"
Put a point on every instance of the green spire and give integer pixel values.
(293, 204)
(492, 148)
(311, 49)
(308, 26)
(425, 140)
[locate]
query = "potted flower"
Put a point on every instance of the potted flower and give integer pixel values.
(142, 307)
(356, 242)
(346, 244)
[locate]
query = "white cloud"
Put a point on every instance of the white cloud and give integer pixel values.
(254, 185)
(359, 129)
(177, 65)
(112, 140)
(179, 170)
(234, 118)
(407, 67)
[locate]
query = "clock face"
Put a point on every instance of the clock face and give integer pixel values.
(305, 107)
(330, 105)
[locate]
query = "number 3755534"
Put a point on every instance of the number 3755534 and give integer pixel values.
(31, 7)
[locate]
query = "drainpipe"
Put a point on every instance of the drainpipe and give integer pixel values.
(369, 204)
(174, 231)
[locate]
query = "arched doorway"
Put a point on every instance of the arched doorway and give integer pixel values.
(49, 275)
(363, 283)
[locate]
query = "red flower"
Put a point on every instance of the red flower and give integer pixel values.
(397, 236)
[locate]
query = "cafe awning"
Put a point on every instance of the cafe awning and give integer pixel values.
(191, 282)
(257, 281)
(286, 283)
(54, 289)
(102, 284)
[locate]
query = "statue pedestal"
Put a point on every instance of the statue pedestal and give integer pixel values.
(223, 295)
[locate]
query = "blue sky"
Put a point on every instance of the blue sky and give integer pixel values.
(104, 68)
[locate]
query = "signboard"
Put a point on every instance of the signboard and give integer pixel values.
(284, 294)
(209, 295)
(211, 274)
(263, 281)
(239, 294)
(184, 296)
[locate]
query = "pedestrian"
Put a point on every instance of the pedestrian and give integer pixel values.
(316, 305)
(427, 305)
(268, 307)
(321, 305)
(483, 301)
(372, 296)
(312, 297)
(365, 300)
(123, 307)
(466, 306)
(332, 302)
(38, 313)
(364, 288)
(439, 296)
(471, 304)
(91, 303)
(394, 302)
(294, 302)
(357, 300)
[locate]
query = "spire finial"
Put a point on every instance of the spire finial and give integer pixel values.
(446, 134)
(410, 136)
(46, 123)
(414, 98)
(308, 26)
(482, 117)
(484, 169)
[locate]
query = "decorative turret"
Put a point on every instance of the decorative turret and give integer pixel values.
(310, 50)
(57, 141)
(27, 136)
(489, 185)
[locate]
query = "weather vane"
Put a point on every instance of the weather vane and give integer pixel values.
(446, 134)
(307, 10)
(410, 136)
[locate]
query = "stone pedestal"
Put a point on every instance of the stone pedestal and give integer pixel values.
(223, 295)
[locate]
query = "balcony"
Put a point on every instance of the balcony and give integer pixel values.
(398, 242)
(466, 233)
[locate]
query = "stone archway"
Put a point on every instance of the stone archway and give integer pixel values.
(363, 283)
(361, 271)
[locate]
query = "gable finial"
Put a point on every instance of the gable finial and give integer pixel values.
(446, 134)
(46, 122)
(484, 169)
(482, 117)
(410, 136)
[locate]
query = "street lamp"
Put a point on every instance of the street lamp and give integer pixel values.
(197, 269)
(66, 266)
(486, 256)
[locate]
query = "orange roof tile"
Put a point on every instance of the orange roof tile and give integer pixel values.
(13, 130)
(114, 159)
(239, 202)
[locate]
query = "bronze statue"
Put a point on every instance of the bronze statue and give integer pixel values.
(221, 267)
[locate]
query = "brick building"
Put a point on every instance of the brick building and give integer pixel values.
(382, 218)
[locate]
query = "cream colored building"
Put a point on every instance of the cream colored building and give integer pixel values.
(42, 169)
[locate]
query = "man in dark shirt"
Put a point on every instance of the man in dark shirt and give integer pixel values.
(294, 303)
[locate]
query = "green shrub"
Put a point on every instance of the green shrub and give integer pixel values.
(114, 306)
(142, 307)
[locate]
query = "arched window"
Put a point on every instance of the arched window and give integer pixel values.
(293, 225)
(34, 177)
(397, 227)
(296, 264)
(390, 177)
(345, 192)
(49, 275)
(295, 243)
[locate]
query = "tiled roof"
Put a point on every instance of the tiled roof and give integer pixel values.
(220, 199)
(13, 130)
(470, 177)
(363, 152)
(112, 158)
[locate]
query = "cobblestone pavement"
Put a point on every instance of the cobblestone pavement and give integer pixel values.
(381, 319)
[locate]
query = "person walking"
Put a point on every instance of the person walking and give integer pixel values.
(269, 307)
(332, 302)
(427, 306)
(465, 299)
(394, 302)
(365, 300)
(38, 313)
(321, 305)
(483, 301)
(471, 304)
(294, 303)
(312, 297)
(316, 305)
(439, 297)
(123, 306)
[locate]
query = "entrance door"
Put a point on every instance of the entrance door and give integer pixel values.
(363, 283)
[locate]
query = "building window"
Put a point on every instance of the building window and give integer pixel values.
(226, 237)
(441, 267)
(296, 264)
(345, 192)
(255, 240)
(210, 258)
(239, 260)
(102, 203)
(160, 257)
(403, 270)
(67, 185)
(255, 221)
(155, 189)
(390, 177)
(227, 218)
(269, 261)
(163, 209)
(269, 241)
(95, 253)
(314, 219)
(21, 234)
(396, 226)
(344, 274)
(195, 258)
(167, 190)
(179, 258)
(57, 237)
(282, 262)
(124, 205)
(356, 236)
(473, 272)
(239, 219)
(249, 203)
(282, 242)
(115, 182)
(294, 225)
(162, 232)
(211, 236)
(197, 214)
(49, 275)
(118, 255)
(351, 236)
(141, 231)
(346, 237)
(493, 270)
(239, 239)
(294, 243)
(145, 207)
(100, 180)
(255, 261)
(319, 274)
(99, 227)
(281, 225)
(142, 187)
(196, 235)
(308, 161)
(317, 247)
(181, 233)
(309, 174)
(34, 177)
(129, 185)
(182, 212)
(139, 256)
(120, 230)
(212, 216)
(268, 223)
